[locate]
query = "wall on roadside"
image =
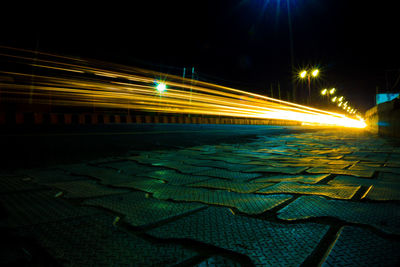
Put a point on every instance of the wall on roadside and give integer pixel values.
(384, 119)
(94, 118)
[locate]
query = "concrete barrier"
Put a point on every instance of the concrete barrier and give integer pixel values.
(384, 119)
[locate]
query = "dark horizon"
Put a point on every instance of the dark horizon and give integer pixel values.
(243, 44)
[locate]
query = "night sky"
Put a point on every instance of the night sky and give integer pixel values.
(239, 43)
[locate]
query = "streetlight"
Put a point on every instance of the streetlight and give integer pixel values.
(303, 74)
(328, 93)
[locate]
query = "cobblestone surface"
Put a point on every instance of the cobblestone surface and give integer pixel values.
(339, 192)
(38, 207)
(85, 189)
(218, 261)
(266, 243)
(384, 216)
(94, 241)
(302, 178)
(239, 187)
(141, 211)
(11, 184)
(234, 176)
(357, 247)
(51, 176)
(276, 200)
(176, 178)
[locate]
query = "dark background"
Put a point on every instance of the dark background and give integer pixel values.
(239, 43)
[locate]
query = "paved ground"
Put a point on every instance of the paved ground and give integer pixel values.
(284, 199)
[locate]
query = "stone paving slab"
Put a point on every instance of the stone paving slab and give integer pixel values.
(389, 177)
(379, 190)
(246, 203)
(380, 169)
(239, 187)
(104, 175)
(272, 163)
(230, 158)
(37, 207)
(357, 173)
(218, 261)
(85, 189)
(224, 174)
(141, 211)
(359, 247)
(147, 185)
(51, 175)
(351, 180)
(204, 148)
(94, 241)
(266, 243)
(287, 170)
(384, 191)
(130, 167)
(383, 216)
(181, 167)
(216, 164)
(339, 192)
(302, 178)
(11, 184)
(143, 159)
(176, 178)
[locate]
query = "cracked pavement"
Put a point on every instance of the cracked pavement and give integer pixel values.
(313, 198)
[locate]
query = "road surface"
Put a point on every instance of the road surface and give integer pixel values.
(201, 196)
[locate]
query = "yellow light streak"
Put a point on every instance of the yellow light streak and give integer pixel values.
(67, 81)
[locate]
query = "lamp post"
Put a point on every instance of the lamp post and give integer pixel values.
(308, 74)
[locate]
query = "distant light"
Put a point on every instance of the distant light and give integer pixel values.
(332, 91)
(303, 74)
(334, 99)
(341, 99)
(323, 92)
(340, 104)
(315, 72)
(161, 87)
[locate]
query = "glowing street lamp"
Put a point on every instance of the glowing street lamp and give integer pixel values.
(324, 92)
(315, 72)
(334, 99)
(332, 91)
(303, 74)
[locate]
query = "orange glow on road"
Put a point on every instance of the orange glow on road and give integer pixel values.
(67, 81)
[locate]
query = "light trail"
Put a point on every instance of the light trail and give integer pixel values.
(65, 81)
